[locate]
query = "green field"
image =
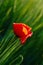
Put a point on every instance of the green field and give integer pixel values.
(12, 52)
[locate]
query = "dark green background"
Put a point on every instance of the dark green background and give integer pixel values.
(12, 52)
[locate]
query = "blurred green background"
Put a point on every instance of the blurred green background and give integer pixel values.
(12, 52)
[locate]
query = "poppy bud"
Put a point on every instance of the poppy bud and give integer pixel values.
(23, 31)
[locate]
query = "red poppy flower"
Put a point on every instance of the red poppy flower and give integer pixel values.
(23, 31)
